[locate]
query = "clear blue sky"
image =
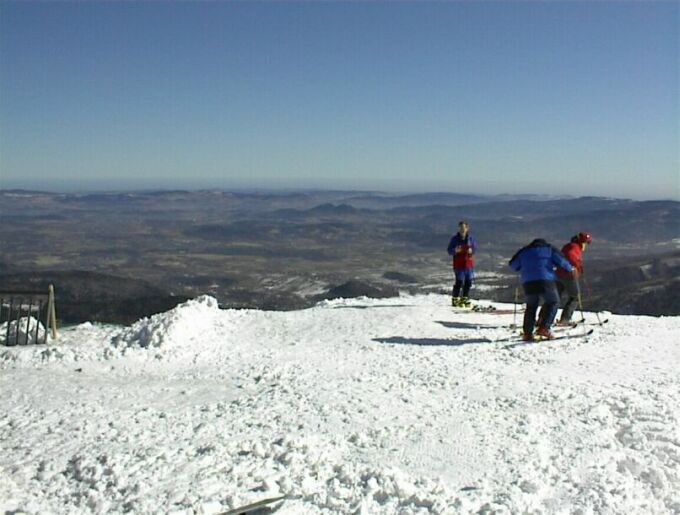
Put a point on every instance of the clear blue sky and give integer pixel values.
(542, 97)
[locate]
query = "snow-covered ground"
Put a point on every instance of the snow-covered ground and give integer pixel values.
(354, 406)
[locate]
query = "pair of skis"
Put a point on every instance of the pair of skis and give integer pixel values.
(569, 336)
(561, 334)
(573, 325)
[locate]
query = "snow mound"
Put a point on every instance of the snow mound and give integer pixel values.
(172, 329)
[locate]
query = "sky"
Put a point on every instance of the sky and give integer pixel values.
(576, 98)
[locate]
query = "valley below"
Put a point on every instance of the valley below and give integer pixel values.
(119, 256)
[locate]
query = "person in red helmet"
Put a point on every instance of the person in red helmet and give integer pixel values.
(567, 284)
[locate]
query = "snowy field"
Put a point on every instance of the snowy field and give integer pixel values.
(354, 406)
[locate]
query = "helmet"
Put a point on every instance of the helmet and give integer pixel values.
(583, 237)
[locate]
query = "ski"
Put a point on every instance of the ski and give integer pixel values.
(259, 505)
(483, 309)
(496, 311)
(556, 338)
(488, 310)
(579, 323)
(568, 327)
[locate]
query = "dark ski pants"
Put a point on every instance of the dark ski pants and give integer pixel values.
(464, 280)
(535, 292)
(567, 288)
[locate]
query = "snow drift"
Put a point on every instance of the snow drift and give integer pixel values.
(398, 405)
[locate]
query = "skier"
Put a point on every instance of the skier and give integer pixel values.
(568, 283)
(535, 262)
(462, 247)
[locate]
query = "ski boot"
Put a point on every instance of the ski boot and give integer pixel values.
(465, 302)
(544, 333)
(528, 337)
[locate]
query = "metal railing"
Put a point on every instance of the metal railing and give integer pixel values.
(26, 317)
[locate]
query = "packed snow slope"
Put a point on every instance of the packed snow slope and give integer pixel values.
(354, 406)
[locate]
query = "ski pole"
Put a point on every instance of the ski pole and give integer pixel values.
(453, 285)
(588, 291)
(580, 304)
(514, 311)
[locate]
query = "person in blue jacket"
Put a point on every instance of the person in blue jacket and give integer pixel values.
(462, 247)
(536, 263)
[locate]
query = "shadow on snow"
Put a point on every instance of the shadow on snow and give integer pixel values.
(466, 325)
(375, 306)
(451, 342)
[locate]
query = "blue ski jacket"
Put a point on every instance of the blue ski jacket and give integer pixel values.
(536, 262)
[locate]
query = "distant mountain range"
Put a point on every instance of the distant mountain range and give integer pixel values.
(123, 255)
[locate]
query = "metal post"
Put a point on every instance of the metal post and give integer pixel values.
(29, 315)
(37, 325)
(9, 320)
(2, 304)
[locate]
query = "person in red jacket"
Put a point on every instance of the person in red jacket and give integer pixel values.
(567, 284)
(462, 247)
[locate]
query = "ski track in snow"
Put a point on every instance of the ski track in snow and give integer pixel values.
(355, 406)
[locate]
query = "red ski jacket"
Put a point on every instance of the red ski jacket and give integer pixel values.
(468, 246)
(572, 251)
